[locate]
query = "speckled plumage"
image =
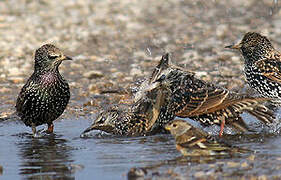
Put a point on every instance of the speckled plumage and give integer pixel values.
(205, 102)
(138, 119)
(191, 141)
(262, 67)
(119, 122)
(46, 93)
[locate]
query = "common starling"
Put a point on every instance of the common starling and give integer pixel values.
(138, 119)
(45, 95)
(205, 102)
(191, 141)
(262, 66)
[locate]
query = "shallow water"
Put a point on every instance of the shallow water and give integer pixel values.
(66, 155)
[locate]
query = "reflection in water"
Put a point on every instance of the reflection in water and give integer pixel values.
(117, 154)
(48, 157)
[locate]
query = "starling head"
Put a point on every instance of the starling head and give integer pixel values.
(49, 57)
(178, 127)
(106, 121)
(253, 47)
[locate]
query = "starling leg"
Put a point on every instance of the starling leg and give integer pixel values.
(33, 129)
(222, 126)
(50, 128)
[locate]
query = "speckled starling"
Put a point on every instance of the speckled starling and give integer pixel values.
(191, 141)
(205, 102)
(262, 65)
(138, 119)
(45, 95)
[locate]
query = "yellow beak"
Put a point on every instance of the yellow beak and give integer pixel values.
(168, 128)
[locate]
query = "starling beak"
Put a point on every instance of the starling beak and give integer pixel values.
(46, 93)
(92, 127)
(262, 66)
(204, 102)
(68, 58)
(234, 46)
(88, 129)
(191, 141)
(105, 121)
(120, 122)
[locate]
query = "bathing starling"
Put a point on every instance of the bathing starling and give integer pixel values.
(205, 102)
(120, 122)
(191, 141)
(138, 119)
(262, 65)
(46, 93)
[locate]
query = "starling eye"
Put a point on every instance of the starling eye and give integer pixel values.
(174, 125)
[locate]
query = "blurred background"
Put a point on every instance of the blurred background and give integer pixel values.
(115, 44)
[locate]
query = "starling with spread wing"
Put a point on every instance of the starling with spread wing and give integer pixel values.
(138, 119)
(205, 102)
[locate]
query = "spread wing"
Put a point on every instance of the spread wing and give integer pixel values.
(155, 111)
(209, 100)
(202, 100)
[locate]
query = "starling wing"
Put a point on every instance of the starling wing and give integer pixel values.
(270, 68)
(211, 100)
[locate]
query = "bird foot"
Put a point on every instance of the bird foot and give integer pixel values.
(222, 127)
(37, 135)
(50, 129)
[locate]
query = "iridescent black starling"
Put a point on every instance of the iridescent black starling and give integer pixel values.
(209, 104)
(45, 95)
(262, 65)
(138, 119)
(191, 141)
